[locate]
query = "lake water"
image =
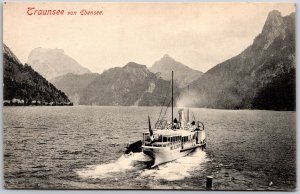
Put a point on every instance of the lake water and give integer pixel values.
(82, 147)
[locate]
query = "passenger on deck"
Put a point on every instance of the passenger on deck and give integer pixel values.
(175, 126)
(175, 120)
(193, 125)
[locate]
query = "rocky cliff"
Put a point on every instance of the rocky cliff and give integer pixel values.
(24, 86)
(246, 80)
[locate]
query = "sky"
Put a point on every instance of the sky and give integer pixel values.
(199, 35)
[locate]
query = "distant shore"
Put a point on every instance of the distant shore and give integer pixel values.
(120, 106)
(18, 102)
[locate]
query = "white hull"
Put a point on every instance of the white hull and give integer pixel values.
(162, 155)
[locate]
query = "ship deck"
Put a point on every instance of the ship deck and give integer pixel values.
(172, 133)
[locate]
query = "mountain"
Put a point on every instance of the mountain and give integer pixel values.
(131, 85)
(24, 86)
(184, 74)
(52, 63)
(72, 84)
(261, 77)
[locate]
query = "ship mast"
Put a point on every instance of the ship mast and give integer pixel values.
(172, 101)
(188, 108)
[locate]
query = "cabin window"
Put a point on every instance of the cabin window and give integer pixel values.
(164, 139)
(160, 139)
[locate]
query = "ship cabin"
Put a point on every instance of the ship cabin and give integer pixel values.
(161, 140)
(168, 139)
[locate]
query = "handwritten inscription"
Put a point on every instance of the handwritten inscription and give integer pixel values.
(32, 11)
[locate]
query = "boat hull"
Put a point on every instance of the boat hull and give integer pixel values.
(162, 155)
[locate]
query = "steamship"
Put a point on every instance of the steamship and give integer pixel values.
(170, 140)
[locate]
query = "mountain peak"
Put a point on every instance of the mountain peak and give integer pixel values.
(274, 13)
(167, 57)
(134, 65)
(274, 19)
(184, 74)
(54, 62)
(53, 50)
(259, 76)
(273, 28)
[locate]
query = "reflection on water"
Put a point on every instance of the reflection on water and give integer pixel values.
(82, 148)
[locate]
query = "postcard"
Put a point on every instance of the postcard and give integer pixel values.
(149, 96)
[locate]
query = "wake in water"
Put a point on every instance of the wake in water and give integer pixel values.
(177, 169)
(174, 170)
(125, 163)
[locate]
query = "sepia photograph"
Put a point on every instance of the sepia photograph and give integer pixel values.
(149, 96)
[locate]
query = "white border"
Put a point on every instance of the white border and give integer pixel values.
(26, 191)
